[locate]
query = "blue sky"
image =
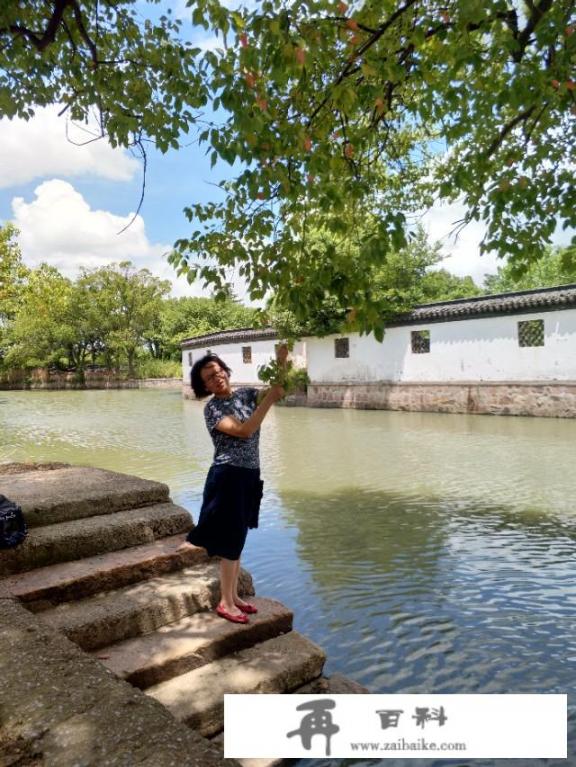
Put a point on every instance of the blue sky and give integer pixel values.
(69, 202)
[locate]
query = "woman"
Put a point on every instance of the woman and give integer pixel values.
(233, 488)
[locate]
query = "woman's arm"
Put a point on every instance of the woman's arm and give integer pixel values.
(245, 429)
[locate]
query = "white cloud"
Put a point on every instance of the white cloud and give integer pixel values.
(462, 251)
(39, 147)
(59, 227)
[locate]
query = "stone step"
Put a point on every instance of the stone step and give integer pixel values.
(61, 708)
(218, 740)
(75, 492)
(96, 535)
(46, 587)
(141, 608)
(277, 665)
(201, 638)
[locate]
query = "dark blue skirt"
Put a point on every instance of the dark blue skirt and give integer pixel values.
(230, 507)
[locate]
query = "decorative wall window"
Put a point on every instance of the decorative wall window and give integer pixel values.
(190, 359)
(342, 347)
(420, 341)
(531, 333)
(246, 355)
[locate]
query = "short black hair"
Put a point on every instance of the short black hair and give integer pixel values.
(198, 386)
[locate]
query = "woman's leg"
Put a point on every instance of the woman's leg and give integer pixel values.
(229, 569)
(236, 577)
(238, 601)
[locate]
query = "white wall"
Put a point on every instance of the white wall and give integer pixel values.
(231, 354)
(465, 350)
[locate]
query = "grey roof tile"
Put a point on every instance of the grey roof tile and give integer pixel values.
(519, 302)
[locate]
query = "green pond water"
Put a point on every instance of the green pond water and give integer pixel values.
(427, 553)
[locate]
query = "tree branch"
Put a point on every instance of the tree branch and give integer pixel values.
(537, 14)
(85, 36)
(56, 20)
(49, 35)
(507, 129)
(361, 50)
(140, 146)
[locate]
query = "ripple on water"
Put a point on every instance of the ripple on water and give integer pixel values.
(434, 554)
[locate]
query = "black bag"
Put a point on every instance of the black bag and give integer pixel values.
(13, 529)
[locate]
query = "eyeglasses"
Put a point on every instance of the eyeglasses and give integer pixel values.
(213, 376)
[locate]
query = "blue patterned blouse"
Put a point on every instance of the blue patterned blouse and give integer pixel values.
(234, 450)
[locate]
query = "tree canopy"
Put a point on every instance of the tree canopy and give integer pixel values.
(13, 272)
(111, 316)
(343, 115)
(346, 119)
(556, 267)
(140, 77)
(405, 277)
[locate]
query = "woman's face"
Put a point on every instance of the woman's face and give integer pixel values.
(216, 379)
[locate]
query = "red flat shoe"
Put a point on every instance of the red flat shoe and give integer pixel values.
(247, 608)
(229, 617)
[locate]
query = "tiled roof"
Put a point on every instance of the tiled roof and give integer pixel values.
(519, 302)
(229, 336)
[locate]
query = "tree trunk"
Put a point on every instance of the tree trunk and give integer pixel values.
(131, 354)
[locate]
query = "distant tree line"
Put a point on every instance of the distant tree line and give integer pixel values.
(116, 316)
(122, 318)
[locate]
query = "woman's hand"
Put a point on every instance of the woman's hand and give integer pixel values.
(276, 392)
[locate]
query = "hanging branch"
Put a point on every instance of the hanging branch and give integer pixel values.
(140, 146)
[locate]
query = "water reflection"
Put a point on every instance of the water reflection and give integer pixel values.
(437, 595)
(519, 462)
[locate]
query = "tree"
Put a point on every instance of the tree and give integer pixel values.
(128, 305)
(40, 332)
(556, 267)
(181, 318)
(336, 116)
(138, 75)
(13, 273)
(381, 108)
(441, 285)
(402, 278)
(409, 276)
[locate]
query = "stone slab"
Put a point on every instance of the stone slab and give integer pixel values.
(140, 608)
(61, 708)
(21, 468)
(247, 762)
(179, 647)
(80, 538)
(337, 684)
(278, 665)
(46, 587)
(74, 492)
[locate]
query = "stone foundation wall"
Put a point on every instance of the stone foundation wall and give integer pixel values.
(99, 382)
(550, 399)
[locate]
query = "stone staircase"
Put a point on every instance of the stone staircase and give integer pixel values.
(101, 566)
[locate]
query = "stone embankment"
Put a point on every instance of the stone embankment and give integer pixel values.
(552, 399)
(69, 381)
(109, 645)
